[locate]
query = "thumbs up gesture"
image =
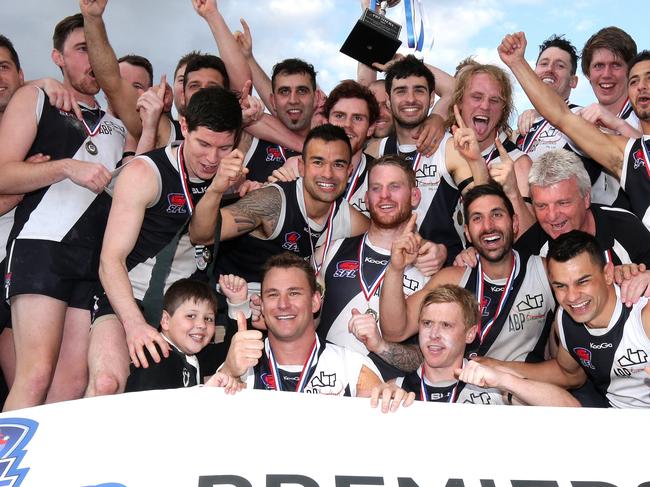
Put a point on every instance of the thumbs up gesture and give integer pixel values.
(245, 349)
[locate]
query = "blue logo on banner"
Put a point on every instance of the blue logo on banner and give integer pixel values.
(15, 434)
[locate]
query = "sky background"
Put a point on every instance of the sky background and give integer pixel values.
(164, 30)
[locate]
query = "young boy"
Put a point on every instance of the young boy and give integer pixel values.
(187, 323)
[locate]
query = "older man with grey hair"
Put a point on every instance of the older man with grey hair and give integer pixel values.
(561, 193)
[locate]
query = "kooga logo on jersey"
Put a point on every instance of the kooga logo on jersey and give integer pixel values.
(354, 480)
(600, 346)
(370, 260)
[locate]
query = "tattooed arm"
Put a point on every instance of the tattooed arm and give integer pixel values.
(258, 210)
(364, 327)
(406, 358)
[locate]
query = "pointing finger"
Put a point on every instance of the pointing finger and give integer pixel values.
(459, 120)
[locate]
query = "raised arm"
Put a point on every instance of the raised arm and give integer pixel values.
(364, 327)
(238, 70)
(463, 156)
(272, 129)
(394, 322)
(121, 95)
(261, 80)
(605, 149)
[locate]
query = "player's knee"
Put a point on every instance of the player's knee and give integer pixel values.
(105, 384)
(36, 378)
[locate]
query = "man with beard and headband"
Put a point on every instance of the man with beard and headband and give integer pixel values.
(353, 268)
(625, 158)
(604, 329)
(442, 177)
(516, 302)
(446, 325)
(60, 220)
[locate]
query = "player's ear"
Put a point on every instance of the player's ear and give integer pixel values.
(57, 58)
(470, 334)
(608, 270)
(183, 123)
(416, 195)
(316, 299)
(164, 321)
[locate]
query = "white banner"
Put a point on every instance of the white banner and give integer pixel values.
(201, 437)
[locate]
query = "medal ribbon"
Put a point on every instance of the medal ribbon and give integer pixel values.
(354, 182)
(480, 277)
(410, 26)
(369, 291)
(312, 360)
(536, 133)
(423, 390)
(626, 107)
(608, 256)
(184, 183)
(89, 131)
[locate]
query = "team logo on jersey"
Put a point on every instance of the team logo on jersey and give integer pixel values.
(530, 302)
(639, 159)
(478, 398)
(323, 380)
(584, 355)
(176, 203)
(273, 154)
(268, 380)
(291, 241)
(7, 279)
(346, 268)
(15, 434)
(427, 175)
(410, 284)
(631, 358)
(360, 204)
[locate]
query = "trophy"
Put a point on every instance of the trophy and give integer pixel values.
(374, 38)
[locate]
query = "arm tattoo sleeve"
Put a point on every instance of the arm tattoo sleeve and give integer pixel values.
(405, 357)
(257, 207)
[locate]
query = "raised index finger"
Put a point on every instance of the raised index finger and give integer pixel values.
(503, 153)
(160, 91)
(459, 120)
(411, 226)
